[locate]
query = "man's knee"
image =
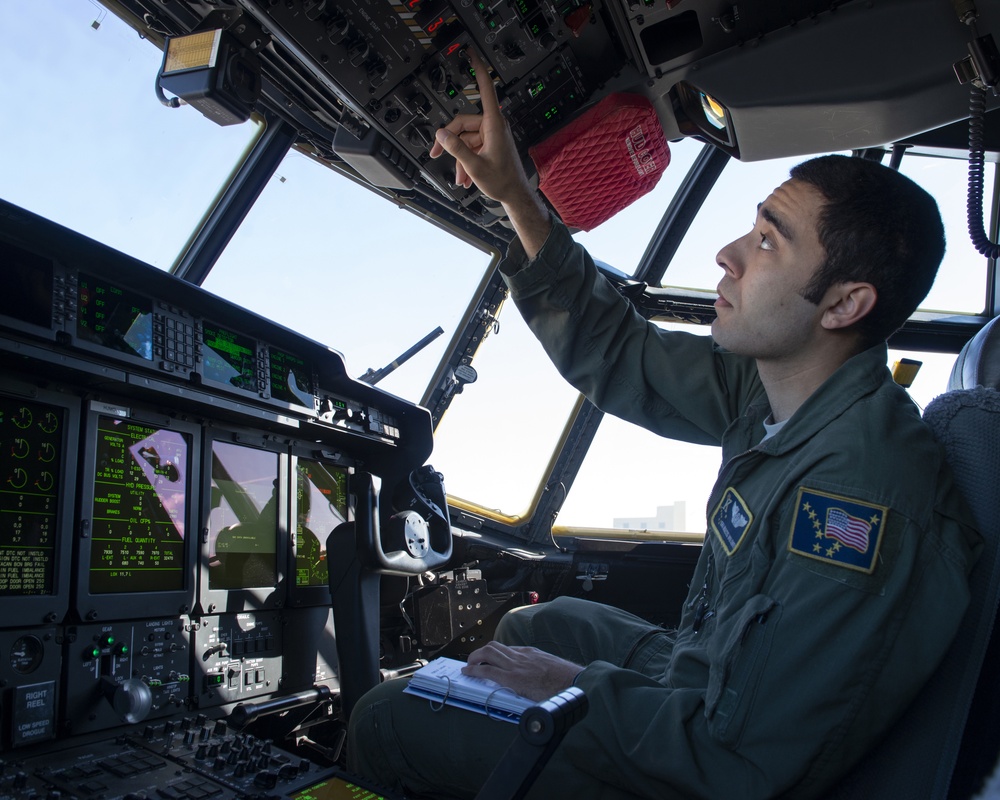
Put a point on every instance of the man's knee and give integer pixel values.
(408, 743)
(514, 626)
(527, 625)
(366, 750)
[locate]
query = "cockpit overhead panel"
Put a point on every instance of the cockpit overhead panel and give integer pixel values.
(366, 84)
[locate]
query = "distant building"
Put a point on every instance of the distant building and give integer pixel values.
(668, 518)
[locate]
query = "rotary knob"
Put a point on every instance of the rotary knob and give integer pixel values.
(132, 699)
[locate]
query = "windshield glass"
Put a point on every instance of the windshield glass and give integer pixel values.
(87, 144)
(497, 439)
(729, 212)
(321, 255)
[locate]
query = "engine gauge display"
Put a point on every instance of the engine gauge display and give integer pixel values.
(26, 655)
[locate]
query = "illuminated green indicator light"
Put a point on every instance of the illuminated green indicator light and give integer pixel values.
(491, 24)
(214, 680)
(451, 90)
(551, 113)
(525, 8)
(536, 90)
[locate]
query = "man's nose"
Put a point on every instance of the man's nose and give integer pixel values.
(729, 258)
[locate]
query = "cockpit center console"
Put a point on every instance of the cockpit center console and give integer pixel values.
(171, 466)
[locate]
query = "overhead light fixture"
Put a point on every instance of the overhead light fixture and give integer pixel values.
(700, 114)
(213, 72)
(715, 114)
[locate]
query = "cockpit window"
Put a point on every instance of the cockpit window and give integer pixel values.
(633, 480)
(86, 142)
(520, 392)
(333, 261)
(729, 210)
(962, 279)
(497, 439)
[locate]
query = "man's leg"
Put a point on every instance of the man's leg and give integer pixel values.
(582, 631)
(400, 741)
(397, 739)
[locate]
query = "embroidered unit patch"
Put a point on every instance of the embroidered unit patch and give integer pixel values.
(731, 520)
(837, 530)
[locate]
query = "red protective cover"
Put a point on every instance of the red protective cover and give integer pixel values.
(603, 161)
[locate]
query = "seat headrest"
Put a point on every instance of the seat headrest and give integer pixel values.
(978, 363)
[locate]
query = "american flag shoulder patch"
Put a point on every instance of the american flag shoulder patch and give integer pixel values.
(837, 530)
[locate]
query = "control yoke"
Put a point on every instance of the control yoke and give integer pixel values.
(416, 538)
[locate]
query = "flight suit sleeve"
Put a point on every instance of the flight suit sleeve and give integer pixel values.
(675, 384)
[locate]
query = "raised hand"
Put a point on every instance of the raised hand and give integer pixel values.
(485, 155)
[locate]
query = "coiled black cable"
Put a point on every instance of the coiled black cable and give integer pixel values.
(977, 147)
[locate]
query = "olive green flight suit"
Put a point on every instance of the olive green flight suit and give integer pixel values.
(833, 577)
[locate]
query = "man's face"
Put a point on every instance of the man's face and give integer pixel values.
(761, 311)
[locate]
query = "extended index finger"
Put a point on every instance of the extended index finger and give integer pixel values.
(487, 91)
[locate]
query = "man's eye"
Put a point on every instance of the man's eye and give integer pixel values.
(765, 243)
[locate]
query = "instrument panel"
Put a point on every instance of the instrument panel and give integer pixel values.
(171, 466)
(99, 314)
(188, 757)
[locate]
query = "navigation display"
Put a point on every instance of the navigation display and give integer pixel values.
(321, 502)
(243, 523)
(31, 454)
(141, 493)
(291, 379)
(336, 788)
(115, 318)
(229, 358)
(27, 294)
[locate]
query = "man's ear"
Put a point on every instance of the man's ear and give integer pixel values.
(847, 303)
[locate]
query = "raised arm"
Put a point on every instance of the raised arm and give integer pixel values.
(485, 155)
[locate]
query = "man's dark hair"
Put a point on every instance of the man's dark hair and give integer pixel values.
(879, 227)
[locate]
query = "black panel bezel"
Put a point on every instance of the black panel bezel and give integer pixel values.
(93, 606)
(315, 594)
(220, 600)
(25, 609)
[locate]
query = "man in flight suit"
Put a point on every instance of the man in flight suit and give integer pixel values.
(834, 571)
